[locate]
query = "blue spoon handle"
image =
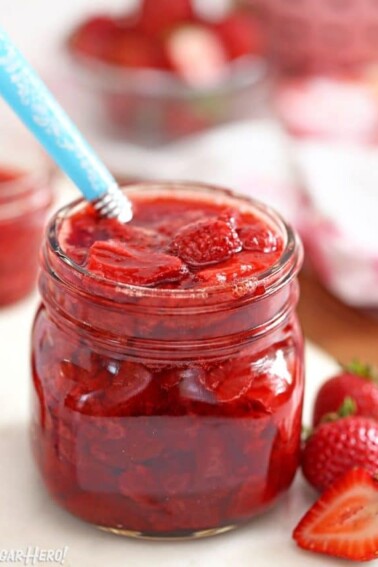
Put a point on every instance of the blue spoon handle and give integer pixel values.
(30, 99)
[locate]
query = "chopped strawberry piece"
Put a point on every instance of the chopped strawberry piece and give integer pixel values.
(241, 35)
(158, 16)
(264, 381)
(258, 239)
(197, 55)
(273, 378)
(117, 262)
(94, 36)
(72, 374)
(129, 389)
(89, 228)
(230, 380)
(134, 50)
(205, 242)
(344, 521)
(192, 388)
(229, 271)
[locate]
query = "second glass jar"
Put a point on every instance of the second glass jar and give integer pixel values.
(25, 199)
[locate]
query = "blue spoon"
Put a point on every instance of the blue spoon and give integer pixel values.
(30, 99)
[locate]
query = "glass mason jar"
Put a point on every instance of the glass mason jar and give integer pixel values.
(167, 412)
(25, 198)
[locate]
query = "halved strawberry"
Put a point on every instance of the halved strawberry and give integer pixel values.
(196, 54)
(344, 521)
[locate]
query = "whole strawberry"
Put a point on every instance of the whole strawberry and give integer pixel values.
(358, 382)
(337, 446)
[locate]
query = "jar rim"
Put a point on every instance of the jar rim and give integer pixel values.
(280, 273)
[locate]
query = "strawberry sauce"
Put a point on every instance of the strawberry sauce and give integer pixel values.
(172, 243)
(168, 363)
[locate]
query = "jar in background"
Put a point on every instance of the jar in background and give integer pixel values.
(167, 413)
(24, 202)
(26, 179)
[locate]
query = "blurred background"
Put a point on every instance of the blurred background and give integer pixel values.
(275, 99)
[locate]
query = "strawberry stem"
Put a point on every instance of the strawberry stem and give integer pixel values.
(306, 433)
(362, 369)
(347, 408)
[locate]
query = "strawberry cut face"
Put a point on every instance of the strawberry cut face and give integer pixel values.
(197, 55)
(344, 521)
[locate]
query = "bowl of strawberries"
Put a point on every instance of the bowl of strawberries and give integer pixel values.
(166, 70)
